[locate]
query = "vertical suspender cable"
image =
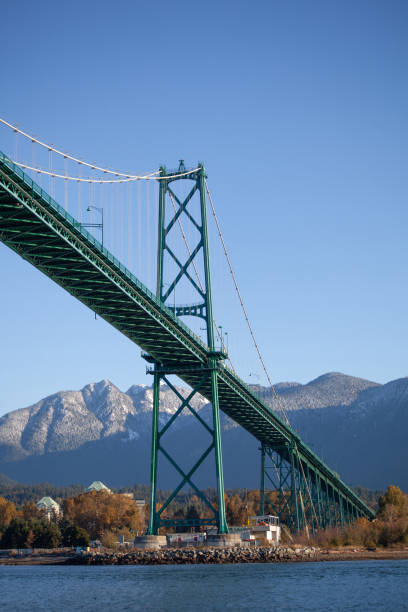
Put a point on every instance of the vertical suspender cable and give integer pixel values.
(65, 185)
(33, 153)
(155, 218)
(112, 217)
(139, 232)
(122, 224)
(129, 226)
(50, 168)
(16, 145)
(79, 194)
(148, 233)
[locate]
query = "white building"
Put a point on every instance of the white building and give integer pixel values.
(97, 485)
(264, 529)
(50, 507)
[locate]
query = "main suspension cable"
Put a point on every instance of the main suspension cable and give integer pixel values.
(129, 179)
(78, 179)
(151, 175)
(66, 155)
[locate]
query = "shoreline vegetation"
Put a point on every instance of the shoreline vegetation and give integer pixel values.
(111, 522)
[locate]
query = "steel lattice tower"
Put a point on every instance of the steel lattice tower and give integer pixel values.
(161, 370)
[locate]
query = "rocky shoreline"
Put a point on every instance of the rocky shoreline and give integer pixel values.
(194, 555)
(207, 555)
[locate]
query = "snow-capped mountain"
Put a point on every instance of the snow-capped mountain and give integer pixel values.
(66, 420)
(358, 427)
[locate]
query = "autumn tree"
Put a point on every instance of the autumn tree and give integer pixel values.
(7, 512)
(236, 510)
(254, 502)
(29, 511)
(393, 504)
(100, 511)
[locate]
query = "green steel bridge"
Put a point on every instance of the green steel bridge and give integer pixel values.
(307, 493)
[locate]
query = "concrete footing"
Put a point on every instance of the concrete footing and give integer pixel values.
(150, 541)
(223, 539)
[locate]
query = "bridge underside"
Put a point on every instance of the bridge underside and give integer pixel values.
(44, 234)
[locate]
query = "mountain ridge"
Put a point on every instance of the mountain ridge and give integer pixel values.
(72, 435)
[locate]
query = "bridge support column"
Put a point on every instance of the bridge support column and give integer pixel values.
(328, 506)
(312, 500)
(341, 511)
(222, 521)
(186, 274)
(348, 513)
(336, 514)
(153, 527)
(294, 490)
(262, 487)
(319, 501)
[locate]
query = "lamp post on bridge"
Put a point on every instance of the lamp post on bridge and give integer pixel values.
(98, 225)
(258, 392)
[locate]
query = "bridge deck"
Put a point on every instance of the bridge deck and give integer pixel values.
(43, 233)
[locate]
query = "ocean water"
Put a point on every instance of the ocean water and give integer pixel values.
(355, 585)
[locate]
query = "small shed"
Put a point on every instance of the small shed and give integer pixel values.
(264, 528)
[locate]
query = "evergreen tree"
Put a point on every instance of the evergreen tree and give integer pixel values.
(46, 534)
(16, 535)
(72, 535)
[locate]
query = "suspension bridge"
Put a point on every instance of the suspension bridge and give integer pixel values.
(295, 483)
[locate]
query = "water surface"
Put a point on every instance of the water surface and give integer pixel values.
(355, 585)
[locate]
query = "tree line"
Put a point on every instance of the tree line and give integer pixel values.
(107, 516)
(20, 493)
(389, 528)
(84, 517)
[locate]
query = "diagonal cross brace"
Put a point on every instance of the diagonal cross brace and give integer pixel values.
(187, 478)
(185, 402)
(186, 273)
(182, 208)
(183, 269)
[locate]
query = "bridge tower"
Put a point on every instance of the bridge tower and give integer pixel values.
(172, 209)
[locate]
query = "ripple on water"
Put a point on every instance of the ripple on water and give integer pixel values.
(309, 587)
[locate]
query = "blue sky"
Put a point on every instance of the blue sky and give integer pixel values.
(297, 109)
